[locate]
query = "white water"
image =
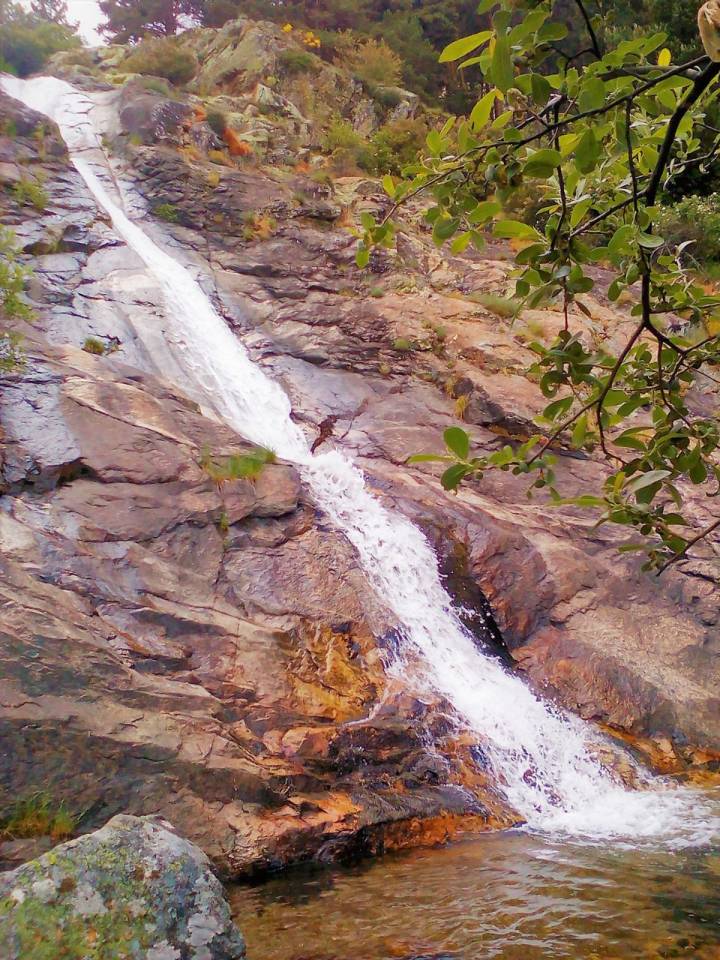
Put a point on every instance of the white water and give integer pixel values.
(541, 756)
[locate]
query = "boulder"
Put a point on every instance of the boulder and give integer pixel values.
(133, 889)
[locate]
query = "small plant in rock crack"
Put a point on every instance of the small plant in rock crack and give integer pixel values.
(31, 193)
(259, 226)
(246, 466)
(38, 815)
(167, 212)
(12, 357)
(101, 348)
(13, 277)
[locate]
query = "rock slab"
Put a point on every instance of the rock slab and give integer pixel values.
(133, 890)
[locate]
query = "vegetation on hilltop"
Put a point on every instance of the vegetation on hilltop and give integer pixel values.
(28, 38)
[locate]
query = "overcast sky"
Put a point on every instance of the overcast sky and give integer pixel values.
(87, 14)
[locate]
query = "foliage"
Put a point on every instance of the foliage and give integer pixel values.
(55, 11)
(129, 21)
(167, 212)
(297, 61)
(694, 224)
(101, 347)
(247, 466)
(598, 134)
(94, 346)
(259, 226)
(13, 277)
(37, 815)
(217, 121)
(374, 62)
(27, 41)
(395, 145)
(163, 57)
(12, 357)
(346, 147)
(30, 193)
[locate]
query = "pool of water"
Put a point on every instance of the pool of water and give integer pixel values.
(511, 896)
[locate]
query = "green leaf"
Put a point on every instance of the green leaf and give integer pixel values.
(480, 113)
(454, 475)
(457, 441)
(541, 88)
(587, 152)
(542, 163)
(511, 229)
(444, 229)
(501, 67)
(461, 243)
(592, 95)
(362, 257)
(460, 48)
(427, 458)
(646, 480)
(388, 185)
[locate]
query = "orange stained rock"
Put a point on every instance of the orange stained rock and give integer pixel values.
(236, 145)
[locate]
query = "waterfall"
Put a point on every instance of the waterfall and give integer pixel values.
(542, 758)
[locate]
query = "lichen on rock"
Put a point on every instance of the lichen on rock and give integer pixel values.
(133, 890)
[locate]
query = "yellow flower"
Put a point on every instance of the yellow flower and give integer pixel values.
(288, 28)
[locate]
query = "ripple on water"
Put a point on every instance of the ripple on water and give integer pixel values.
(509, 896)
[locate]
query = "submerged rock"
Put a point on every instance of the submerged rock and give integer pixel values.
(133, 890)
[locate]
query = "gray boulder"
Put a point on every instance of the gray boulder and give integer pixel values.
(133, 890)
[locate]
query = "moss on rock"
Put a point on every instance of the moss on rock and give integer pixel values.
(133, 890)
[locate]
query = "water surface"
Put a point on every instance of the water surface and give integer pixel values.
(511, 896)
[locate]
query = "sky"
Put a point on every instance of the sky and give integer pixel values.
(87, 14)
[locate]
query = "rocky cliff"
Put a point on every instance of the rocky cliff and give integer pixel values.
(210, 651)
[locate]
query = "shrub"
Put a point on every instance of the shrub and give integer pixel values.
(347, 148)
(156, 85)
(694, 219)
(217, 121)
(247, 466)
(93, 345)
(163, 57)
(373, 61)
(395, 145)
(30, 193)
(38, 816)
(388, 97)
(13, 276)
(167, 212)
(403, 345)
(11, 355)
(259, 226)
(26, 43)
(294, 62)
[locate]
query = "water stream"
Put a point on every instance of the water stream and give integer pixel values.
(541, 756)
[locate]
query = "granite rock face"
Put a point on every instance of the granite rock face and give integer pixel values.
(213, 652)
(134, 889)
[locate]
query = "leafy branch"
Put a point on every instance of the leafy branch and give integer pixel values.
(598, 143)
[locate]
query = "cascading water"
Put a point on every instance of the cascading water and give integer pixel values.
(541, 757)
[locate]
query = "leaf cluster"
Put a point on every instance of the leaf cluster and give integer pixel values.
(598, 133)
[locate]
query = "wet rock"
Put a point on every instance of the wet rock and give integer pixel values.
(133, 886)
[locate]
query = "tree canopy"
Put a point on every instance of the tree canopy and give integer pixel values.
(598, 129)
(28, 38)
